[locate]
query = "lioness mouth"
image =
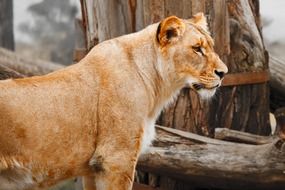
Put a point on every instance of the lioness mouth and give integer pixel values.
(198, 86)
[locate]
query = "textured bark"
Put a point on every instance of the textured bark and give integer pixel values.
(242, 137)
(241, 166)
(243, 108)
(6, 24)
(26, 66)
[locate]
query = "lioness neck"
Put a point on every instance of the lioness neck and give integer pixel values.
(156, 70)
(141, 53)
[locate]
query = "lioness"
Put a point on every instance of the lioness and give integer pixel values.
(95, 117)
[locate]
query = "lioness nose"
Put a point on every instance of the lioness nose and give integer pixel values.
(221, 74)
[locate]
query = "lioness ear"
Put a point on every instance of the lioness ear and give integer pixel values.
(169, 30)
(200, 20)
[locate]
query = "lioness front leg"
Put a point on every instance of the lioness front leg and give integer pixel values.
(115, 159)
(118, 176)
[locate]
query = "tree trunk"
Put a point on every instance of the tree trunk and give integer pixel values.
(6, 24)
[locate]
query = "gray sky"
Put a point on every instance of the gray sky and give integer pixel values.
(273, 10)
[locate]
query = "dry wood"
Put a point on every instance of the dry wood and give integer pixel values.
(244, 107)
(246, 78)
(232, 166)
(28, 67)
(242, 137)
(193, 137)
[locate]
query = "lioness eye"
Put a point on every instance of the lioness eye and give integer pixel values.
(198, 49)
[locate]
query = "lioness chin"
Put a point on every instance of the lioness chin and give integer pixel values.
(94, 118)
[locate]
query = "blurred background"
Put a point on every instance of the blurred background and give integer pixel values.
(273, 18)
(46, 28)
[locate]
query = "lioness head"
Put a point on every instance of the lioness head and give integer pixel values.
(189, 47)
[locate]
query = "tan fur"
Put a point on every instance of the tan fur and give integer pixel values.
(95, 117)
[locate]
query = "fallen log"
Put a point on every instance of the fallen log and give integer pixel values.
(204, 164)
(28, 67)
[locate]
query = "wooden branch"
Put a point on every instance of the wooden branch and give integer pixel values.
(242, 137)
(193, 137)
(232, 166)
(28, 67)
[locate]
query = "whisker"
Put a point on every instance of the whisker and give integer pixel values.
(198, 86)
